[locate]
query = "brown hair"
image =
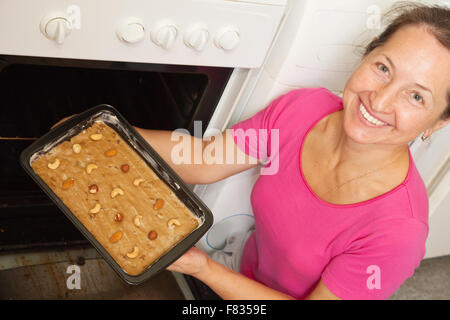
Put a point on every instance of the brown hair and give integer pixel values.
(435, 18)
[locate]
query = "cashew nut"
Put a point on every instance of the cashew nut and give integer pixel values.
(138, 181)
(172, 222)
(90, 167)
(76, 148)
(134, 253)
(96, 136)
(54, 165)
(96, 209)
(116, 192)
(137, 221)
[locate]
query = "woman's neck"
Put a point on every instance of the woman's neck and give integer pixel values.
(345, 152)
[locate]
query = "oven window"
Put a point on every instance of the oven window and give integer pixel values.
(35, 93)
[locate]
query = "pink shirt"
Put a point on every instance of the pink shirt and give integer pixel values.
(364, 250)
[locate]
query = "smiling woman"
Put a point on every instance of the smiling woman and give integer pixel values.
(346, 215)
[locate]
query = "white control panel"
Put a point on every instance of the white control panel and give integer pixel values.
(192, 32)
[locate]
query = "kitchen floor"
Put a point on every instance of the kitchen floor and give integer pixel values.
(98, 281)
(431, 281)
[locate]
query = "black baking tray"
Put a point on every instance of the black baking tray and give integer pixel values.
(111, 117)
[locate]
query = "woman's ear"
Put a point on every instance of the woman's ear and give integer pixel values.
(438, 126)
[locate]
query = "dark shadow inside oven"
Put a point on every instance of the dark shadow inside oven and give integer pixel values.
(37, 92)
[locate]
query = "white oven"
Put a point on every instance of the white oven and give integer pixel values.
(162, 64)
(261, 48)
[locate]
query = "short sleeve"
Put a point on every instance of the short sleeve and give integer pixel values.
(253, 135)
(377, 264)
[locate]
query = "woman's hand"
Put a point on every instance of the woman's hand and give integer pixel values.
(193, 262)
(225, 282)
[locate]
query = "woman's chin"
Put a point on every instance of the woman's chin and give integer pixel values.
(359, 134)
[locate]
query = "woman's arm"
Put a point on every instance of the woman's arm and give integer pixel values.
(193, 173)
(235, 286)
(202, 173)
(231, 285)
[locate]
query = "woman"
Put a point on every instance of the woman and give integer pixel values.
(346, 216)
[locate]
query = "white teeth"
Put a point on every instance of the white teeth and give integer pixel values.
(369, 118)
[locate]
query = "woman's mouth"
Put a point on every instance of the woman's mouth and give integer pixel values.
(369, 119)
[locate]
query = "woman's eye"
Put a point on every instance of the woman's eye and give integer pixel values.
(417, 97)
(383, 68)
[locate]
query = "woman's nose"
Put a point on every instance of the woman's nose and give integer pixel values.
(383, 99)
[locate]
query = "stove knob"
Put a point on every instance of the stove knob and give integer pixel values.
(131, 30)
(227, 38)
(164, 35)
(197, 37)
(56, 27)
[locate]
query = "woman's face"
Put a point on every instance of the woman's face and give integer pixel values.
(399, 90)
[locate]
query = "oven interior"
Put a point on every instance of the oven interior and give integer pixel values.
(35, 93)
